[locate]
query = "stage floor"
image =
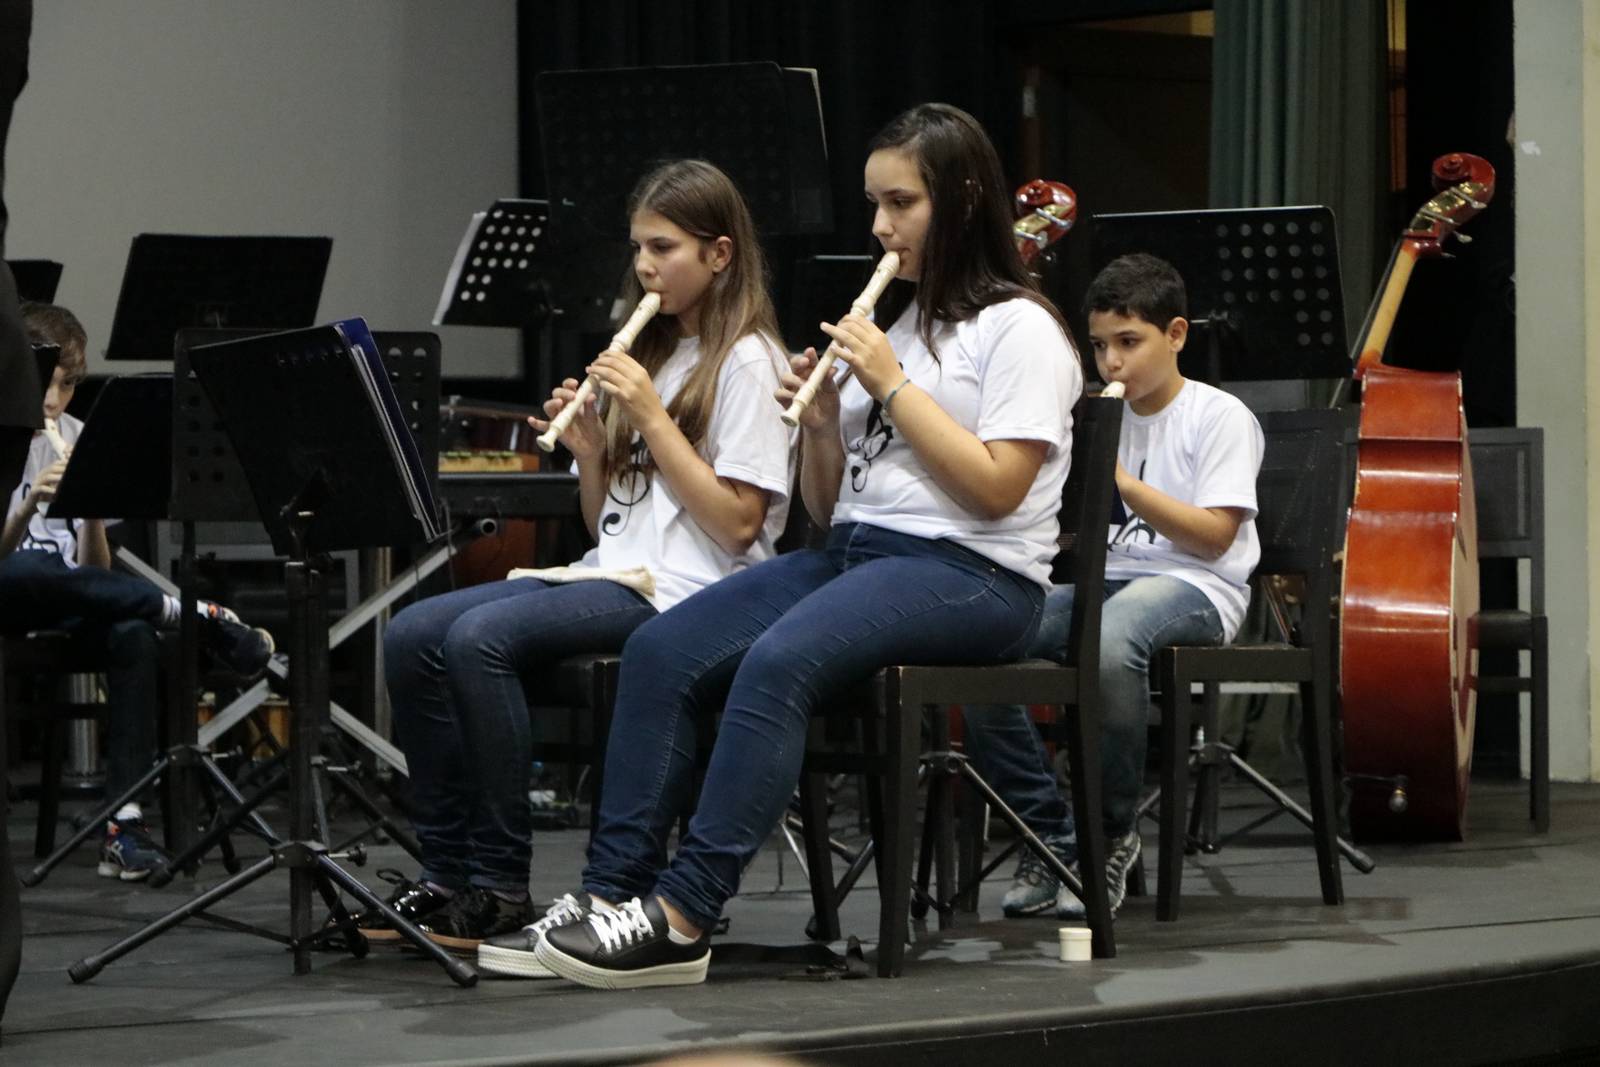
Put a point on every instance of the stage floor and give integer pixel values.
(1484, 952)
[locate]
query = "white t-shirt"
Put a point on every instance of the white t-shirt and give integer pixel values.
(46, 534)
(1204, 448)
(643, 523)
(1007, 373)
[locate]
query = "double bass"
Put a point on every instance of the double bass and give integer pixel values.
(1046, 210)
(1408, 649)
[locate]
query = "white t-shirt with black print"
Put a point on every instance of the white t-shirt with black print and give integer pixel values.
(1007, 373)
(1204, 448)
(46, 534)
(642, 521)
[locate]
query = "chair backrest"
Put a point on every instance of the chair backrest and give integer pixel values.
(1085, 517)
(1508, 474)
(1300, 491)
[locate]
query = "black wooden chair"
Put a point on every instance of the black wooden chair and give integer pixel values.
(586, 686)
(889, 714)
(34, 667)
(1508, 475)
(1300, 528)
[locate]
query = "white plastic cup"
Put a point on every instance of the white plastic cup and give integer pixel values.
(1076, 944)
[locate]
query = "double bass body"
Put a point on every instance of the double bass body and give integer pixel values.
(1408, 653)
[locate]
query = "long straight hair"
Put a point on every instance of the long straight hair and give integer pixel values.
(969, 258)
(703, 201)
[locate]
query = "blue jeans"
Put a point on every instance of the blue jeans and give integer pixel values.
(767, 646)
(109, 613)
(1139, 617)
(455, 666)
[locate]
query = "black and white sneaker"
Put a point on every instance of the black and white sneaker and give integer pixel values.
(630, 948)
(514, 955)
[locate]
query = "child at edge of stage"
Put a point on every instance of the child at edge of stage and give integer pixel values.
(1181, 546)
(57, 574)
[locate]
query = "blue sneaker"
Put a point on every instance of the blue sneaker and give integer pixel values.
(1034, 886)
(129, 852)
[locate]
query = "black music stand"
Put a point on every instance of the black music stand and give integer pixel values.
(104, 479)
(759, 122)
(15, 441)
(822, 285)
(178, 280)
(1263, 287)
(37, 279)
(501, 275)
(210, 484)
(345, 473)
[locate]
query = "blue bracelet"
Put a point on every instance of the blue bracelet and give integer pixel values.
(903, 383)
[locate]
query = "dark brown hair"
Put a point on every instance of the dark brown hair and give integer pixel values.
(1139, 286)
(969, 258)
(703, 201)
(51, 324)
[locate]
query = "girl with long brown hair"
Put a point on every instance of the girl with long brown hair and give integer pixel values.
(682, 480)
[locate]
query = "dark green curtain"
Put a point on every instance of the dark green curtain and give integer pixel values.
(1299, 115)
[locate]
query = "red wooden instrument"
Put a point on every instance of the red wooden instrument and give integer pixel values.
(1408, 650)
(1046, 212)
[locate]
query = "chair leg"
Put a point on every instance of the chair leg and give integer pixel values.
(1083, 754)
(903, 735)
(1174, 785)
(938, 830)
(819, 860)
(44, 834)
(1318, 744)
(1539, 728)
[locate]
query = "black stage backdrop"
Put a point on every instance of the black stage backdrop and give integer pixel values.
(873, 60)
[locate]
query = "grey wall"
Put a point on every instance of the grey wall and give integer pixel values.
(381, 123)
(1557, 134)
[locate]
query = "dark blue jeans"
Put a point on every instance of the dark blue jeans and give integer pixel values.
(1139, 617)
(455, 665)
(767, 646)
(111, 613)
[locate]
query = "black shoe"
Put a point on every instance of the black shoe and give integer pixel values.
(414, 901)
(625, 949)
(474, 915)
(513, 955)
(242, 649)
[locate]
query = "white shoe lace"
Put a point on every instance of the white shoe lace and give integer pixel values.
(621, 927)
(562, 910)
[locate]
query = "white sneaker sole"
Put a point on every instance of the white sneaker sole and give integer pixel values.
(691, 972)
(111, 870)
(511, 963)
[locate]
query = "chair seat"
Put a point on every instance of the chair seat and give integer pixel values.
(573, 681)
(1505, 629)
(1031, 681)
(50, 652)
(1260, 663)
